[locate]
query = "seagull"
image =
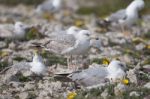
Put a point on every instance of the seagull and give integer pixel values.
(96, 74)
(128, 16)
(16, 31)
(68, 35)
(80, 47)
(49, 6)
(37, 65)
(72, 42)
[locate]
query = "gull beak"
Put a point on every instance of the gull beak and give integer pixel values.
(27, 28)
(35, 52)
(93, 37)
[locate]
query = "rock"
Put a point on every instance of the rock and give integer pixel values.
(15, 73)
(12, 45)
(132, 76)
(147, 97)
(29, 86)
(6, 97)
(27, 73)
(23, 95)
(140, 47)
(146, 66)
(105, 94)
(147, 85)
(120, 89)
(2, 44)
(134, 93)
(15, 84)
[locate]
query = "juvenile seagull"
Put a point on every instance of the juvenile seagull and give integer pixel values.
(65, 36)
(128, 16)
(37, 65)
(49, 6)
(17, 31)
(96, 74)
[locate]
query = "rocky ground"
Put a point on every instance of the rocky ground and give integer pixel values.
(131, 47)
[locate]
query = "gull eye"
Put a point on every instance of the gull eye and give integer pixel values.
(96, 38)
(87, 34)
(21, 25)
(76, 30)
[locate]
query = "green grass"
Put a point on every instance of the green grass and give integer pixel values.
(53, 59)
(106, 7)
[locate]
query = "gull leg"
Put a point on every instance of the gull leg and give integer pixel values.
(75, 66)
(68, 62)
(125, 32)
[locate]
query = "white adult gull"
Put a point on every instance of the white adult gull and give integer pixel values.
(128, 16)
(49, 6)
(68, 35)
(80, 47)
(97, 74)
(16, 31)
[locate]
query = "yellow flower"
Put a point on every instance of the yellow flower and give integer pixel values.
(106, 61)
(79, 23)
(4, 53)
(148, 46)
(71, 95)
(125, 81)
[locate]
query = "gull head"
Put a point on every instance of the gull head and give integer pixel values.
(20, 30)
(73, 30)
(37, 58)
(116, 71)
(20, 27)
(136, 5)
(140, 4)
(57, 3)
(84, 33)
(115, 65)
(39, 10)
(37, 65)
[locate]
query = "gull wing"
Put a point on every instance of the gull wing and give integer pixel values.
(47, 5)
(63, 37)
(121, 14)
(90, 76)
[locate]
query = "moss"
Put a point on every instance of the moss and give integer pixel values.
(23, 78)
(147, 35)
(3, 65)
(53, 59)
(3, 87)
(31, 95)
(33, 33)
(19, 58)
(15, 2)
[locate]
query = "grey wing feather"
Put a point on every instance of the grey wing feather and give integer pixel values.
(121, 14)
(90, 76)
(47, 5)
(63, 38)
(60, 41)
